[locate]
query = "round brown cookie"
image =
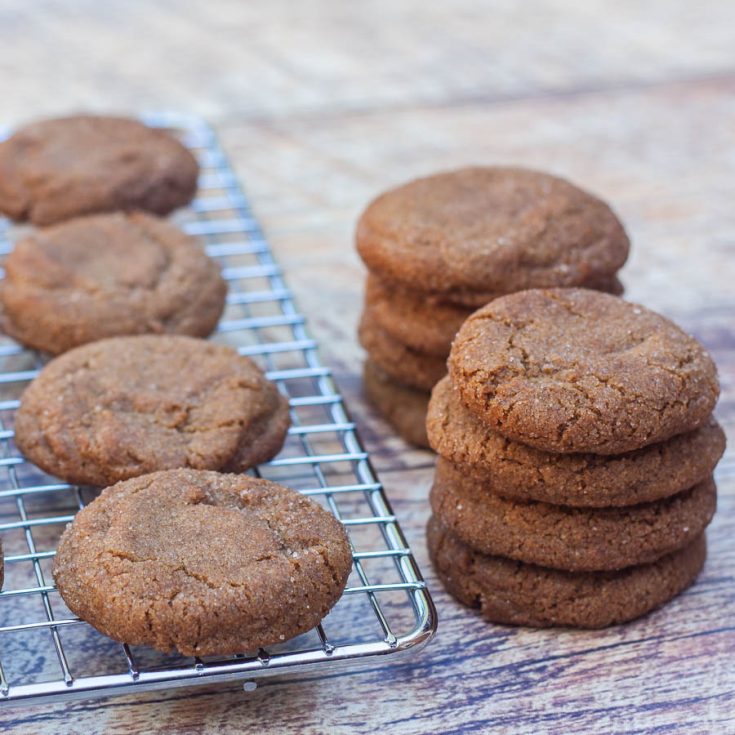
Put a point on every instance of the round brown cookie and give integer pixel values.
(108, 275)
(517, 471)
(126, 406)
(416, 321)
(490, 229)
(204, 563)
(402, 407)
(56, 169)
(574, 539)
(473, 300)
(573, 370)
(405, 365)
(515, 593)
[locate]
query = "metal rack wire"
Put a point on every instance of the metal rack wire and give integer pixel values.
(48, 654)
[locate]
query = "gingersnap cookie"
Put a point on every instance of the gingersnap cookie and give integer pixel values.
(490, 229)
(126, 406)
(514, 593)
(574, 539)
(520, 472)
(56, 169)
(204, 563)
(107, 275)
(573, 370)
(473, 300)
(402, 363)
(404, 408)
(418, 322)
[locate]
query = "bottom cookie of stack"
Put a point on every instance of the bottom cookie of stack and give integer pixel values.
(402, 406)
(517, 593)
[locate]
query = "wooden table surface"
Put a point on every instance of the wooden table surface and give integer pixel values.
(323, 104)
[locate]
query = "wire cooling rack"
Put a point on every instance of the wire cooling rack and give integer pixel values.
(48, 654)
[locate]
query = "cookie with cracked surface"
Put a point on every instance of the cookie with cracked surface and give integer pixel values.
(127, 406)
(53, 170)
(108, 275)
(419, 322)
(402, 363)
(574, 539)
(520, 472)
(573, 370)
(404, 408)
(133, 563)
(514, 593)
(490, 229)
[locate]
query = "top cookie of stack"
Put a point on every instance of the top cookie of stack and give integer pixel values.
(439, 247)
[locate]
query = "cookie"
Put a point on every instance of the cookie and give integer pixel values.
(418, 322)
(405, 365)
(127, 406)
(574, 539)
(473, 300)
(204, 563)
(573, 370)
(515, 593)
(107, 275)
(402, 407)
(520, 472)
(490, 229)
(57, 169)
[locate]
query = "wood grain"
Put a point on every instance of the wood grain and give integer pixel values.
(321, 106)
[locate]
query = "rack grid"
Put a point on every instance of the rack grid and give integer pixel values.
(47, 654)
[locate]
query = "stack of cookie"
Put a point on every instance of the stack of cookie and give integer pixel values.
(577, 446)
(437, 248)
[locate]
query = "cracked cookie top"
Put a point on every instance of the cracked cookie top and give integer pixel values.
(572, 370)
(56, 169)
(206, 563)
(108, 275)
(126, 406)
(490, 229)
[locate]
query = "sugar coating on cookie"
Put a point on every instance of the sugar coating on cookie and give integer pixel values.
(108, 275)
(514, 593)
(126, 406)
(518, 471)
(574, 370)
(202, 562)
(490, 229)
(403, 407)
(573, 539)
(57, 169)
